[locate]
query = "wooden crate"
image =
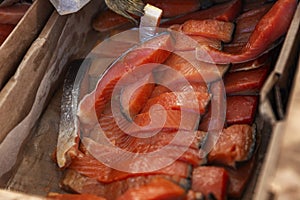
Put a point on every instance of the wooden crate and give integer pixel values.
(35, 164)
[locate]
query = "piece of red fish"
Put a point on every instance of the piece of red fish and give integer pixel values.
(89, 166)
(271, 27)
(108, 20)
(180, 87)
(224, 12)
(241, 109)
(157, 189)
(13, 14)
(5, 30)
(209, 28)
(188, 101)
(184, 66)
(155, 50)
(245, 25)
(173, 8)
(235, 144)
(246, 82)
(210, 180)
(238, 178)
(75, 182)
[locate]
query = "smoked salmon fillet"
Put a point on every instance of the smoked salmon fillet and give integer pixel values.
(157, 189)
(245, 25)
(173, 8)
(271, 27)
(235, 144)
(246, 82)
(91, 167)
(209, 28)
(75, 182)
(184, 66)
(5, 30)
(241, 109)
(224, 12)
(155, 50)
(188, 101)
(180, 87)
(13, 14)
(210, 180)
(108, 20)
(238, 178)
(190, 42)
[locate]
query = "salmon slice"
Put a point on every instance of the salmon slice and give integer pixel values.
(253, 64)
(92, 168)
(108, 20)
(158, 90)
(145, 124)
(57, 196)
(252, 5)
(190, 42)
(226, 11)
(75, 182)
(125, 137)
(238, 178)
(184, 65)
(112, 49)
(210, 181)
(180, 87)
(187, 145)
(209, 28)
(134, 96)
(164, 120)
(246, 82)
(235, 144)
(245, 25)
(187, 101)
(13, 14)
(231, 12)
(190, 139)
(247, 21)
(5, 30)
(271, 27)
(184, 147)
(173, 8)
(241, 109)
(153, 51)
(157, 189)
(170, 147)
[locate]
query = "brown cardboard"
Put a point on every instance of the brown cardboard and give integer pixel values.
(41, 69)
(17, 43)
(28, 76)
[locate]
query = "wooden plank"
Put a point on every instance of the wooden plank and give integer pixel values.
(286, 182)
(17, 43)
(282, 158)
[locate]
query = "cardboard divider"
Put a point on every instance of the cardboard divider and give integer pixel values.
(17, 43)
(37, 78)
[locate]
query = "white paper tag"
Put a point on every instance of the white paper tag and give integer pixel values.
(64, 7)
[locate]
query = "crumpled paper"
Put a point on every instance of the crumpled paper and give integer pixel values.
(64, 7)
